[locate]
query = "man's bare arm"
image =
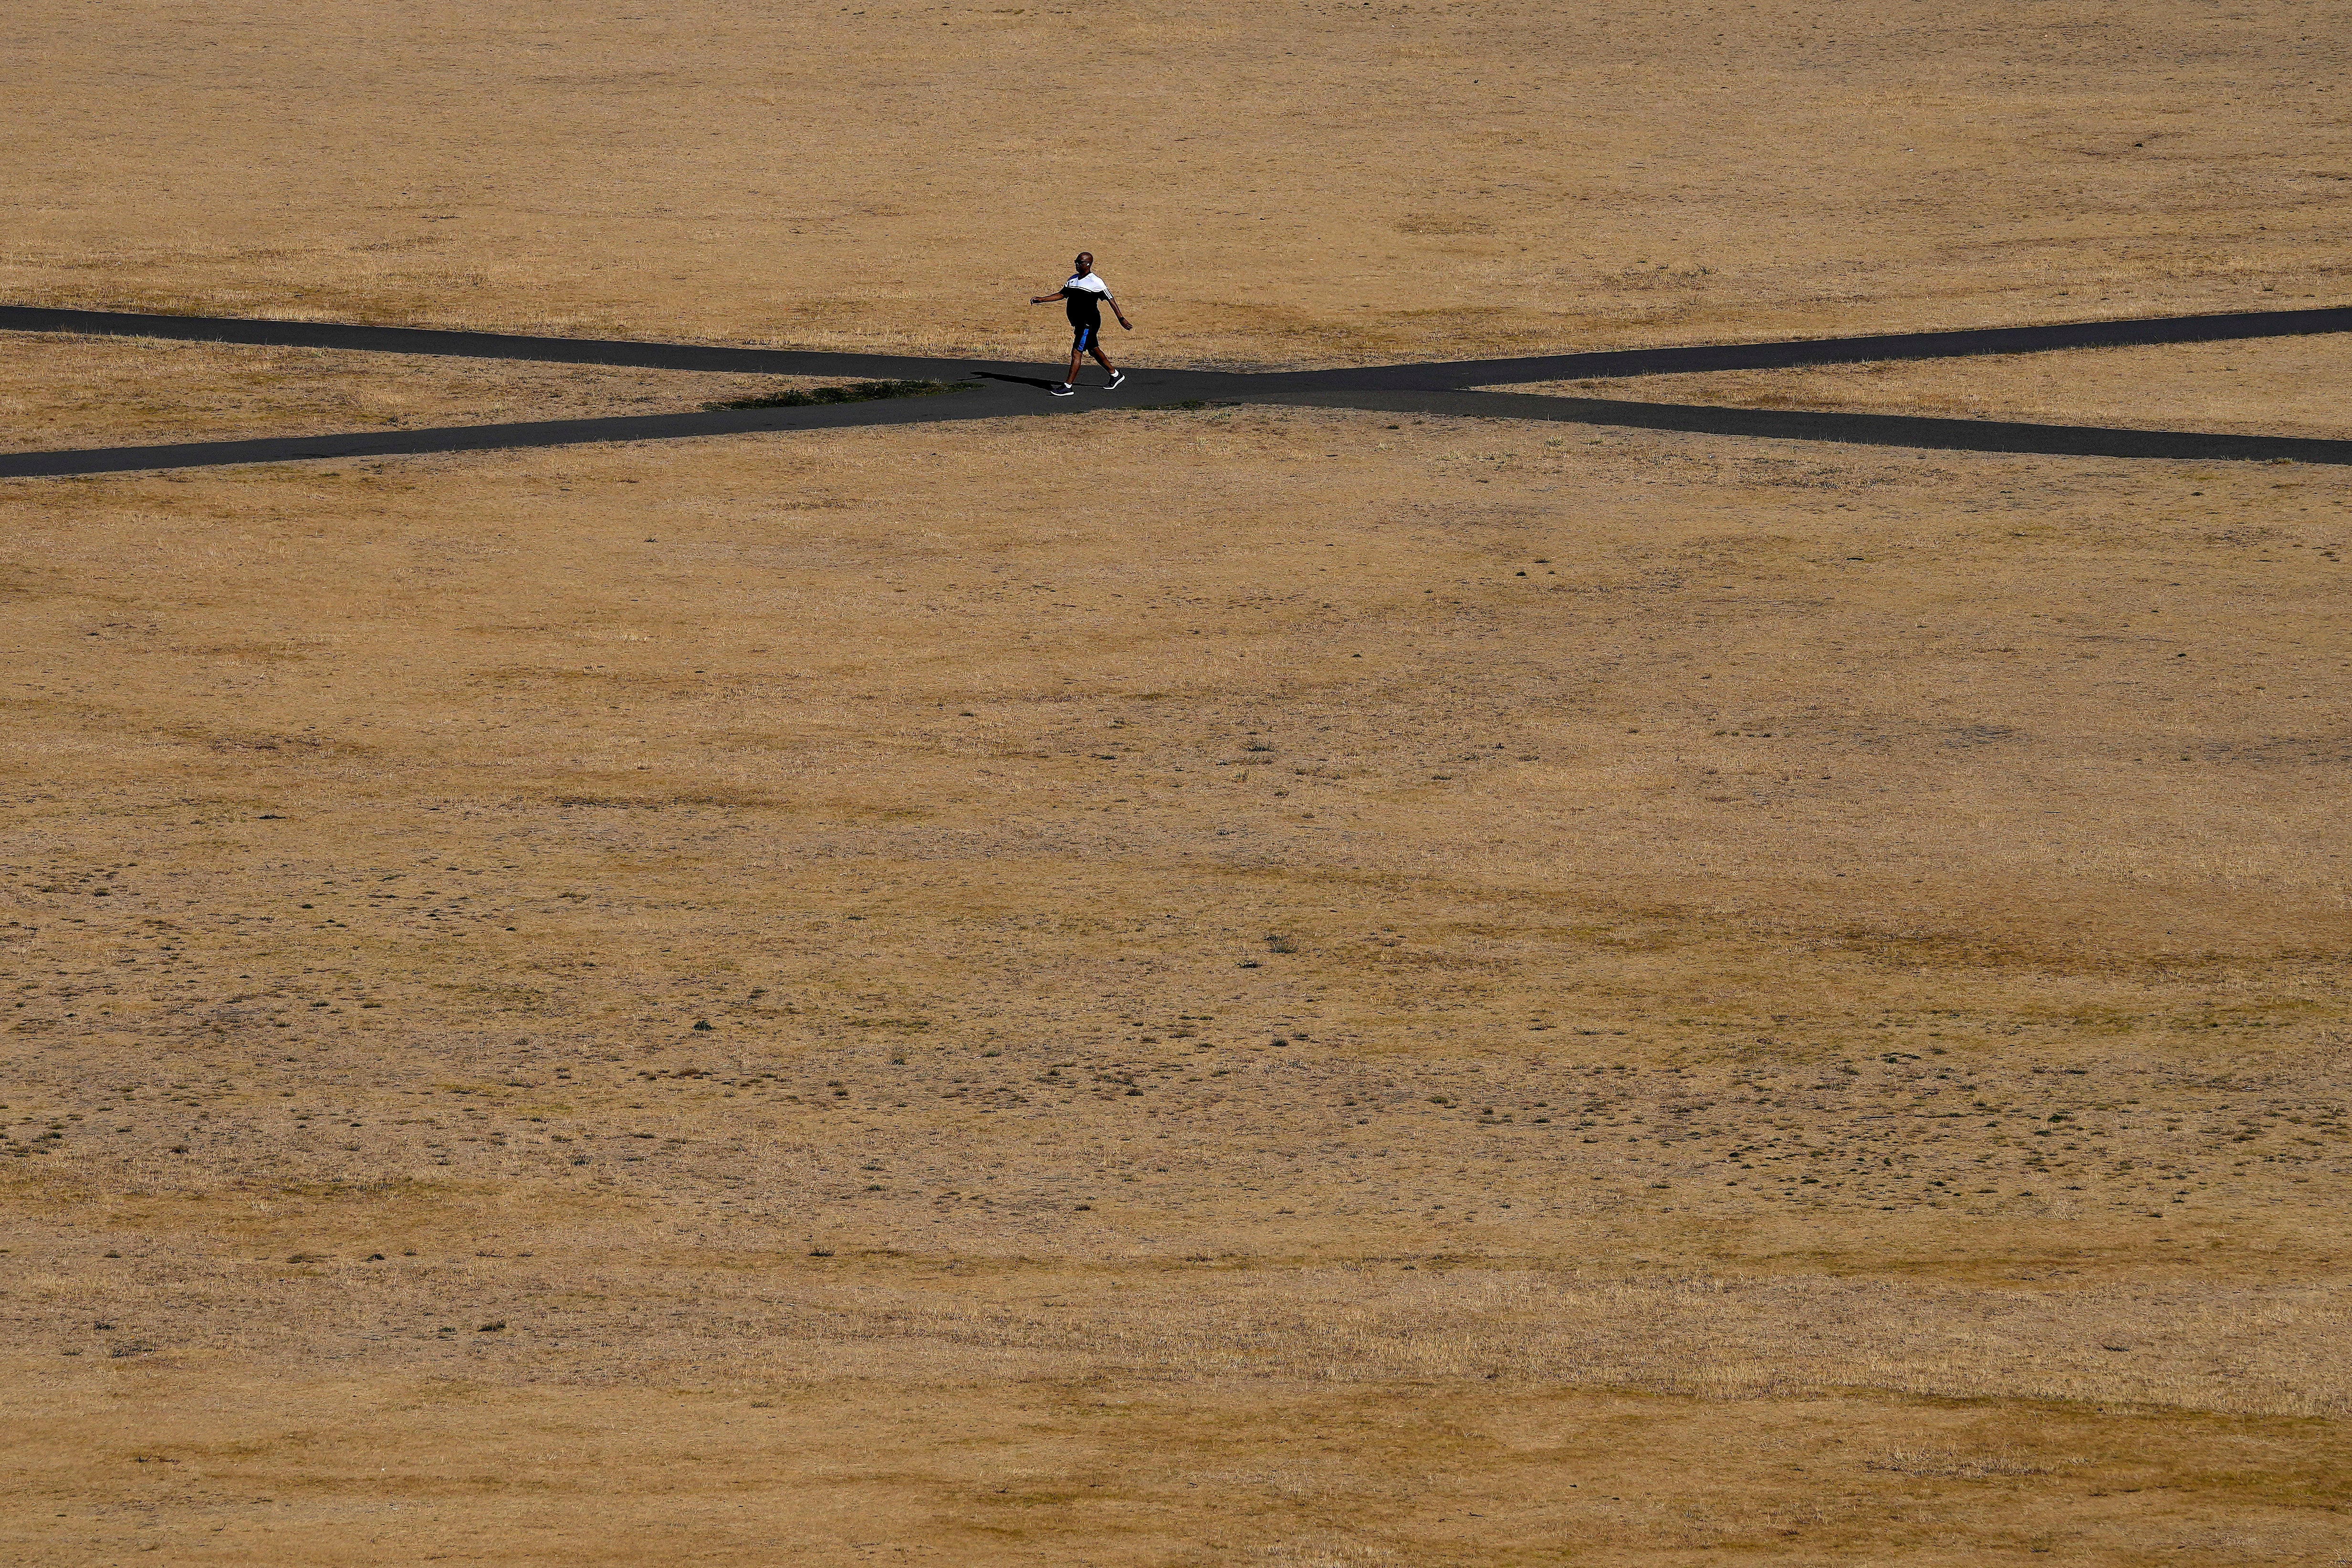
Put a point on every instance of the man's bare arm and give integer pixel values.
(1119, 313)
(1049, 299)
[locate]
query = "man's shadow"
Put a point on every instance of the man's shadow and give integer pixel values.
(1044, 384)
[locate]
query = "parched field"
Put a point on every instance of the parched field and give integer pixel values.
(1304, 182)
(2279, 387)
(1174, 987)
(67, 390)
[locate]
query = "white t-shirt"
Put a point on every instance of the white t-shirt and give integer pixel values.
(1090, 283)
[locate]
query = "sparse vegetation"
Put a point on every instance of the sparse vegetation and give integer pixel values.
(1845, 1067)
(856, 391)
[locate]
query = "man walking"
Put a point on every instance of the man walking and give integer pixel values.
(1084, 296)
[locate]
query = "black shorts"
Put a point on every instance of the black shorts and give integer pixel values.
(1082, 336)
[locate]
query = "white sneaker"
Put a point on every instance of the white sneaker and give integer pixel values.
(1066, 390)
(1116, 376)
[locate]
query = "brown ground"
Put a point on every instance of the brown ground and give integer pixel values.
(1809, 1027)
(2286, 387)
(1812, 1016)
(1264, 184)
(59, 391)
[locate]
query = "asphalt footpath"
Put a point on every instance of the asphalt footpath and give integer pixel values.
(1000, 389)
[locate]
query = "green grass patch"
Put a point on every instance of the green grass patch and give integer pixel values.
(856, 392)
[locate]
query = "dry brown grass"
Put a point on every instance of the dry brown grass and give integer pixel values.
(1299, 183)
(1292, 987)
(1237, 1027)
(2291, 386)
(65, 390)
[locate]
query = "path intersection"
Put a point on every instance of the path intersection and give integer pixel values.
(1006, 390)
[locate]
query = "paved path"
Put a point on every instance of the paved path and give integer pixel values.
(1009, 389)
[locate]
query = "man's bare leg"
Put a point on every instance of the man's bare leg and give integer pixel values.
(1077, 357)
